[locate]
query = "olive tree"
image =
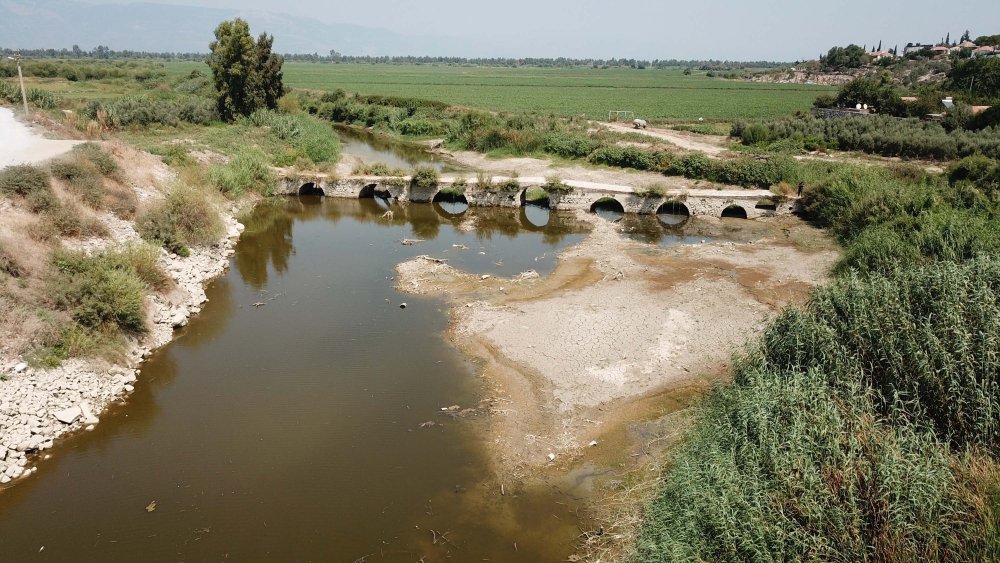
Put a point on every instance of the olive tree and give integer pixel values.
(247, 74)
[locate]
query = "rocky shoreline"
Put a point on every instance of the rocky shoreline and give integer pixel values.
(37, 406)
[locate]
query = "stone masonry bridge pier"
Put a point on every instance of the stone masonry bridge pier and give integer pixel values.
(745, 203)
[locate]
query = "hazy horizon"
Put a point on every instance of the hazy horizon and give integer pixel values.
(713, 29)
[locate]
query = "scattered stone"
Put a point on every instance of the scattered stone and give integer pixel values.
(129, 388)
(20, 367)
(593, 443)
(68, 416)
(402, 305)
(485, 277)
(551, 456)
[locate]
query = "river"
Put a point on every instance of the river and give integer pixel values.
(299, 416)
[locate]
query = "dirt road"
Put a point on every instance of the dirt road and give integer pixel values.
(712, 146)
(20, 144)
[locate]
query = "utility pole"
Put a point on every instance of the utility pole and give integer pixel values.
(24, 97)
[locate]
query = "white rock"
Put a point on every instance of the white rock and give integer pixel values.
(68, 416)
(551, 456)
(129, 388)
(20, 367)
(4, 480)
(87, 414)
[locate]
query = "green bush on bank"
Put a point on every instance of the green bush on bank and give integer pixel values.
(184, 218)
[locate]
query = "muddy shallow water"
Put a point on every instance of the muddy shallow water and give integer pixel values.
(287, 422)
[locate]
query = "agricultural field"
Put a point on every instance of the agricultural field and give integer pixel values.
(651, 94)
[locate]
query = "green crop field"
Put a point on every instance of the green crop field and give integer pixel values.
(650, 93)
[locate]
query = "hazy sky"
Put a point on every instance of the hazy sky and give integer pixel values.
(728, 29)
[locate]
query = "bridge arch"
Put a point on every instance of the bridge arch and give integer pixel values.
(767, 204)
(607, 203)
(310, 188)
(674, 211)
(535, 196)
(734, 211)
(450, 203)
(373, 191)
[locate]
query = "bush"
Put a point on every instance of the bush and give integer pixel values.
(246, 172)
(378, 169)
(93, 153)
(555, 185)
(624, 157)
(23, 180)
(68, 221)
(755, 134)
(101, 292)
(568, 145)
(82, 177)
(424, 177)
(184, 218)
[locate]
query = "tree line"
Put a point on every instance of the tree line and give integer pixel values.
(103, 52)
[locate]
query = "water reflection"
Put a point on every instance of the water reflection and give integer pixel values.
(652, 229)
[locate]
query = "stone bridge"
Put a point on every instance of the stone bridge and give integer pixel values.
(744, 203)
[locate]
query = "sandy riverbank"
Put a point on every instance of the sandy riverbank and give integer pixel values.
(572, 356)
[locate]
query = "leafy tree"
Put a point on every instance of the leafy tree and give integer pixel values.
(247, 74)
(877, 93)
(987, 40)
(851, 56)
(980, 77)
(965, 36)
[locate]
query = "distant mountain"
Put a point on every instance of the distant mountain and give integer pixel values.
(35, 24)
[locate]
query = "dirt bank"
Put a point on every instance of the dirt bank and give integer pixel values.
(37, 406)
(573, 356)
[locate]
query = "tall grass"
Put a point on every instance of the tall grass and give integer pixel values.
(788, 468)
(248, 171)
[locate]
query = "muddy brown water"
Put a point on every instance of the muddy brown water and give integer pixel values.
(292, 431)
(374, 148)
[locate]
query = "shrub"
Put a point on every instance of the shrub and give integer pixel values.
(245, 172)
(624, 157)
(102, 291)
(183, 218)
(568, 145)
(93, 153)
(424, 177)
(755, 134)
(555, 185)
(68, 221)
(82, 177)
(377, 169)
(23, 180)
